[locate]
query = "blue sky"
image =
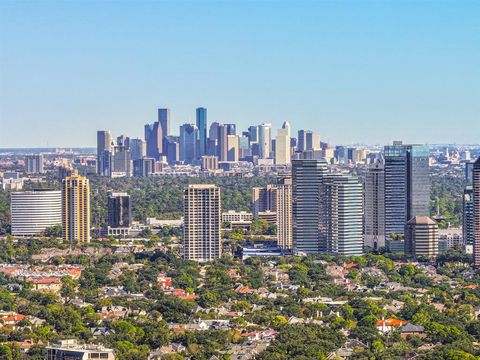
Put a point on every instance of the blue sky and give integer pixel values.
(355, 71)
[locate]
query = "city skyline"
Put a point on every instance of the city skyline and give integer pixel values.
(345, 70)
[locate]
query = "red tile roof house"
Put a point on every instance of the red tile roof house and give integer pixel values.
(388, 325)
(11, 318)
(163, 280)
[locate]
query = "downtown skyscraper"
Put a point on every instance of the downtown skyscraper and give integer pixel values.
(156, 135)
(201, 118)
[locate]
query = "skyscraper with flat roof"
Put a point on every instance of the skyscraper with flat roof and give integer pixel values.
(156, 135)
(264, 140)
(76, 209)
(104, 143)
(201, 117)
(375, 206)
(34, 164)
(476, 212)
(282, 145)
(119, 213)
(407, 185)
(283, 194)
(307, 177)
(202, 222)
(188, 143)
(341, 214)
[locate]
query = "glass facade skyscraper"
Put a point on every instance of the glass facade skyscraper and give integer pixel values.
(202, 130)
(407, 185)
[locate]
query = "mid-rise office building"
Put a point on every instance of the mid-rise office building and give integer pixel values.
(209, 162)
(34, 164)
(307, 177)
(144, 167)
(72, 350)
(119, 213)
(476, 212)
(34, 211)
(283, 194)
(375, 207)
(202, 222)
(76, 209)
(341, 214)
(421, 237)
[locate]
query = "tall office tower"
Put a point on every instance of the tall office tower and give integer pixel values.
(188, 143)
(308, 140)
(407, 185)
(222, 142)
(307, 177)
(76, 209)
(301, 142)
(264, 140)
(138, 149)
(468, 217)
(283, 201)
(173, 149)
(104, 143)
(244, 147)
(253, 134)
(213, 131)
(341, 214)
(421, 237)
(202, 222)
(375, 206)
(156, 135)
(476, 212)
(34, 164)
(34, 211)
(202, 131)
(121, 162)
(263, 199)
(340, 154)
(231, 129)
(144, 167)
(119, 213)
(233, 148)
(282, 145)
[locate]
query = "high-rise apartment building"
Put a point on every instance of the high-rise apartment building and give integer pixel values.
(263, 199)
(468, 216)
(34, 211)
(76, 209)
(188, 143)
(119, 213)
(104, 144)
(264, 140)
(283, 194)
(407, 185)
(282, 145)
(375, 207)
(341, 214)
(307, 177)
(202, 222)
(421, 237)
(476, 212)
(201, 117)
(34, 164)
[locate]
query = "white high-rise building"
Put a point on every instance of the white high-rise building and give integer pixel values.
(282, 145)
(202, 222)
(34, 211)
(341, 216)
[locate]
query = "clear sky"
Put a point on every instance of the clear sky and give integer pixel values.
(355, 71)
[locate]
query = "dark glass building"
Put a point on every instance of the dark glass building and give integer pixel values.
(202, 131)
